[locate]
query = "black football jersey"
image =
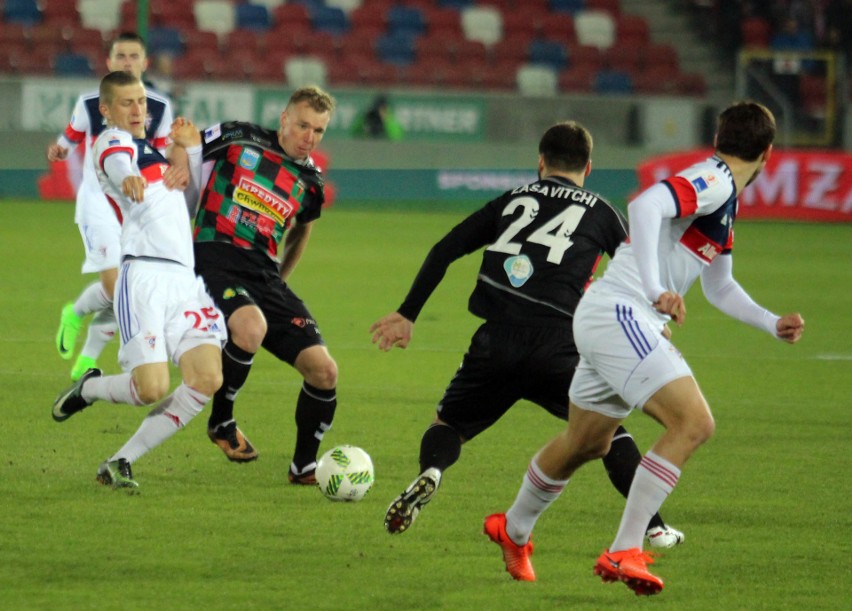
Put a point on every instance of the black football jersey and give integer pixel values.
(543, 242)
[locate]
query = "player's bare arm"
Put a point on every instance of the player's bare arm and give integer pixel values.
(295, 242)
(392, 330)
(184, 133)
(790, 327)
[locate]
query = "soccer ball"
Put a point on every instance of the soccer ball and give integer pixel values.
(345, 473)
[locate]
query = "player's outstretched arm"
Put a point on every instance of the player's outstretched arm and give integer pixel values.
(790, 327)
(392, 330)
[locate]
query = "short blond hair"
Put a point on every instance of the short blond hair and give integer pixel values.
(317, 98)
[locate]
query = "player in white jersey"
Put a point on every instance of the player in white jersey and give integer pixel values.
(680, 229)
(99, 226)
(163, 310)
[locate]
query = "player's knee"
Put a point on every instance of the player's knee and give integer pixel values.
(323, 375)
(700, 429)
(206, 381)
(247, 331)
(152, 390)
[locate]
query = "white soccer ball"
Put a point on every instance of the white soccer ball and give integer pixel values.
(345, 473)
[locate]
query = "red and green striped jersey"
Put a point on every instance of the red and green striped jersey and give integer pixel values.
(254, 189)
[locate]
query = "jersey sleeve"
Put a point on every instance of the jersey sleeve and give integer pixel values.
(77, 128)
(161, 137)
(116, 155)
(614, 228)
(698, 191)
(472, 233)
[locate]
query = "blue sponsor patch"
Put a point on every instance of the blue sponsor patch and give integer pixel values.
(211, 133)
(249, 159)
(699, 183)
(114, 142)
(518, 269)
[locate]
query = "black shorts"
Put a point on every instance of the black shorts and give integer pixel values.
(290, 326)
(505, 364)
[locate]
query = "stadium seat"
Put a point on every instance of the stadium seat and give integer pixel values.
(72, 64)
(25, 12)
(596, 28)
(193, 65)
(270, 4)
(755, 32)
(394, 49)
(165, 40)
(435, 47)
(176, 15)
(444, 20)
(61, 12)
(632, 30)
(13, 33)
(90, 43)
(103, 15)
(456, 4)
(577, 79)
(290, 15)
(199, 40)
(559, 27)
(215, 16)
(469, 51)
(622, 59)
(405, 20)
(509, 50)
(657, 55)
(369, 17)
(253, 17)
(613, 82)
(303, 70)
(537, 80)
(524, 23)
(329, 19)
(613, 7)
(548, 53)
(482, 23)
(585, 56)
(567, 6)
(501, 76)
(692, 84)
(347, 6)
(658, 79)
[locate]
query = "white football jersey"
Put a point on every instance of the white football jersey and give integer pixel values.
(159, 226)
(705, 198)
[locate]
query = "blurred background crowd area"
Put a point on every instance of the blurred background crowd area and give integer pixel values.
(598, 46)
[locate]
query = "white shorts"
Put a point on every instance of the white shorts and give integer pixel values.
(163, 311)
(624, 358)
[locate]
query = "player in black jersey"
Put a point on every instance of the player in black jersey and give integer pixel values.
(543, 242)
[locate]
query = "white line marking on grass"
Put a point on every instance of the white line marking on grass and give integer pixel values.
(833, 357)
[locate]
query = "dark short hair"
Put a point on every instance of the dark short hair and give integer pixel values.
(112, 80)
(566, 146)
(744, 130)
(127, 37)
(319, 100)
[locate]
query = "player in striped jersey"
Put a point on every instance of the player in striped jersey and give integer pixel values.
(262, 193)
(99, 227)
(680, 229)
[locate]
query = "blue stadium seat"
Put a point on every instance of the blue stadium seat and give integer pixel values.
(613, 82)
(329, 19)
(72, 64)
(406, 20)
(25, 12)
(396, 49)
(253, 17)
(456, 4)
(548, 53)
(567, 6)
(165, 40)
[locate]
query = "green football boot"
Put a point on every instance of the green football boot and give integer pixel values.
(81, 366)
(69, 328)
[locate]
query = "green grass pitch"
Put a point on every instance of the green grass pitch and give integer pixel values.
(765, 504)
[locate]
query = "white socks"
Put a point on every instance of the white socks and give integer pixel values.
(173, 413)
(92, 299)
(100, 332)
(536, 494)
(115, 389)
(654, 480)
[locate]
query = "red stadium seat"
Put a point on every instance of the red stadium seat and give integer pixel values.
(755, 32)
(291, 14)
(577, 79)
(654, 55)
(613, 7)
(632, 30)
(658, 79)
(560, 28)
(692, 84)
(61, 12)
(439, 47)
(585, 56)
(623, 59)
(444, 20)
(194, 65)
(198, 40)
(369, 16)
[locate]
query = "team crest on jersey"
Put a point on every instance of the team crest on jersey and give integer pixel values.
(519, 269)
(230, 293)
(249, 159)
(151, 340)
